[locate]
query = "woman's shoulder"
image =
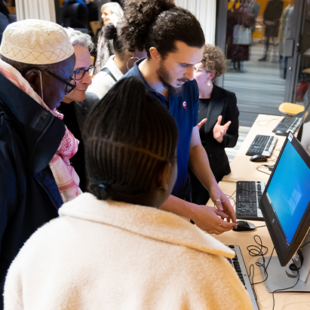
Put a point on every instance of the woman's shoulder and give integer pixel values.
(224, 92)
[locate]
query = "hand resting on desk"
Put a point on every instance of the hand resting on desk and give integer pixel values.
(211, 219)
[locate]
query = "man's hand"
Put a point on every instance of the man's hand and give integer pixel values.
(222, 204)
(219, 130)
(201, 123)
(211, 220)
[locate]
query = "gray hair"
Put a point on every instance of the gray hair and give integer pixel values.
(78, 38)
(115, 8)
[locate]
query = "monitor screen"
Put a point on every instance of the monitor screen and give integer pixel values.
(285, 203)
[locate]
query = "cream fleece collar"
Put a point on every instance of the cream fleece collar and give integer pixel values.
(146, 221)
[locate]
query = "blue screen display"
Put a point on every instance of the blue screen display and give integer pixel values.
(289, 190)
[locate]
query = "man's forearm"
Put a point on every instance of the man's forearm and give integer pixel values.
(179, 206)
(200, 166)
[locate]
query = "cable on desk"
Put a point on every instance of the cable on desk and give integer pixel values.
(231, 197)
(260, 226)
(257, 168)
(261, 250)
(271, 120)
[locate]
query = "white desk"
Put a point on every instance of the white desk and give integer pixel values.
(283, 301)
(242, 169)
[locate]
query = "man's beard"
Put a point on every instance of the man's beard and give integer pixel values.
(164, 77)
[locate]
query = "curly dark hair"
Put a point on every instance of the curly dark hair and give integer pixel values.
(129, 138)
(159, 23)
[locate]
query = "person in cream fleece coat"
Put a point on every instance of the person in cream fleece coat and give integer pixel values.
(113, 248)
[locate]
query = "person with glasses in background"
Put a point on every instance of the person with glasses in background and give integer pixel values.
(36, 177)
(76, 104)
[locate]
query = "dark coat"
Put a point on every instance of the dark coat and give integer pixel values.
(29, 197)
(273, 13)
(222, 102)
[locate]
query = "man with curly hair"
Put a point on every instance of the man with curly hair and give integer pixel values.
(174, 42)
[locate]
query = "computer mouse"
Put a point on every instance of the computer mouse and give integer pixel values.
(258, 158)
(281, 133)
(244, 226)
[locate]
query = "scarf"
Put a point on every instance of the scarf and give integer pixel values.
(64, 174)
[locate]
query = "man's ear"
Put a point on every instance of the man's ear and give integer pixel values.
(155, 54)
(164, 177)
(33, 78)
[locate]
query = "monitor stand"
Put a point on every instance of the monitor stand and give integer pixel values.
(282, 277)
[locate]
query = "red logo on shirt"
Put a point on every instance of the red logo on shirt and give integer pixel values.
(184, 105)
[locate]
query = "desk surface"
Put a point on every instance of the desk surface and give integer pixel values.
(285, 301)
(242, 169)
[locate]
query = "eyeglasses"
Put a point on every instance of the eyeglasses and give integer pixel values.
(69, 86)
(79, 73)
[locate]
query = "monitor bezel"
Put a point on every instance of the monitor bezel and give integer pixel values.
(284, 251)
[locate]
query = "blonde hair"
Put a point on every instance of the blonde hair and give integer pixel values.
(213, 60)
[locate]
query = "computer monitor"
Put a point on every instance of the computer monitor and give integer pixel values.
(285, 205)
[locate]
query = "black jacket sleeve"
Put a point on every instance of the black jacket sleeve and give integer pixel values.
(231, 114)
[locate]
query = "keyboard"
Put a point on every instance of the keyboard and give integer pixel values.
(262, 145)
(248, 196)
(288, 124)
(238, 263)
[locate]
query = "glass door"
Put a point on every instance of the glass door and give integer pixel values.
(302, 72)
(260, 49)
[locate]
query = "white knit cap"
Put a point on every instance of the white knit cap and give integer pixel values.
(34, 41)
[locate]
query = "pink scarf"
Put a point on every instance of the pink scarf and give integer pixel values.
(64, 174)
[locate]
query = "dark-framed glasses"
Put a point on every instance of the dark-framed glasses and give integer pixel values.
(69, 86)
(79, 73)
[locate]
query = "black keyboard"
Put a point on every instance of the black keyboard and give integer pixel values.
(288, 124)
(248, 196)
(262, 145)
(238, 263)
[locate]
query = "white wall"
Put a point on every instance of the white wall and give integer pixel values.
(38, 9)
(205, 12)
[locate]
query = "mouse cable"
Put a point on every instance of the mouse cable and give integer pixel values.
(260, 226)
(257, 168)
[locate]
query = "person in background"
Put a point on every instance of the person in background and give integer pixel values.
(36, 177)
(218, 118)
(117, 65)
(111, 13)
(283, 59)
(92, 14)
(75, 14)
(253, 9)
(174, 42)
(4, 10)
(107, 246)
(77, 104)
(272, 15)
(4, 22)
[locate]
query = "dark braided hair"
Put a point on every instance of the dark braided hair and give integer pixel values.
(159, 23)
(129, 138)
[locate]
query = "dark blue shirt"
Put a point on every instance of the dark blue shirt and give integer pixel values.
(183, 107)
